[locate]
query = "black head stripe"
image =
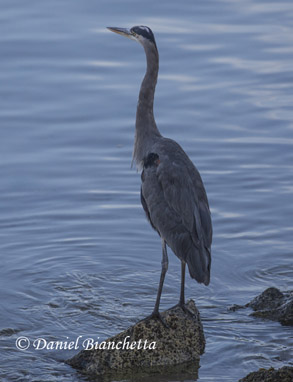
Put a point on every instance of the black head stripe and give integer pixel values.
(144, 32)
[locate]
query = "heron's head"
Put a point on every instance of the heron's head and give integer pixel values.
(141, 34)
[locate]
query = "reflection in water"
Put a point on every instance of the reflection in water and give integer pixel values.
(78, 257)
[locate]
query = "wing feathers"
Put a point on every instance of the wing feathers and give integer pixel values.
(176, 205)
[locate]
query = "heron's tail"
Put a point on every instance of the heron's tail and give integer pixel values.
(199, 264)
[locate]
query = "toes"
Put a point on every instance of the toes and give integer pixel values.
(184, 308)
(157, 316)
(187, 311)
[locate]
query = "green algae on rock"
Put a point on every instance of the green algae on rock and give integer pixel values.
(182, 342)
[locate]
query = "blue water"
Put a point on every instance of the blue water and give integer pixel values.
(77, 255)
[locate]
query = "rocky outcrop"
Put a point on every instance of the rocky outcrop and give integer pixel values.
(285, 374)
(148, 347)
(272, 304)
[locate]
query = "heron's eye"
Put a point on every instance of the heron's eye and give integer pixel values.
(133, 33)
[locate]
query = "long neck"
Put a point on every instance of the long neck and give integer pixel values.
(146, 129)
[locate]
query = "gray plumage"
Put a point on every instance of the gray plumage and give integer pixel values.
(172, 192)
(178, 213)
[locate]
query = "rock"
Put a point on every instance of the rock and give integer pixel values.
(235, 307)
(168, 350)
(272, 304)
(285, 374)
(275, 305)
(271, 299)
(9, 332)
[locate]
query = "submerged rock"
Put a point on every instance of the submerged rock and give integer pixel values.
(272, 304)
(162, 349)
(285, 374)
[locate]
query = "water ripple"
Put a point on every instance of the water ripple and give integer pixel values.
(77, 252)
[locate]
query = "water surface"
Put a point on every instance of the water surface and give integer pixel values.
(77, 255)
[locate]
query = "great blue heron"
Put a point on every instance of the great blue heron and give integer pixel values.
(172, 192)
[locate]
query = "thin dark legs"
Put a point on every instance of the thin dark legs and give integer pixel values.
(156, 313)
(182, 297)
(162, 278)
(181, 302)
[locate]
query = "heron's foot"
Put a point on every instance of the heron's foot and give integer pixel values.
(184, 308)
(156, 316)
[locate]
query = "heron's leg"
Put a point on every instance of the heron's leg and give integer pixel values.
(181, 302)
(156, 313)
(162, 278)
(182, 297)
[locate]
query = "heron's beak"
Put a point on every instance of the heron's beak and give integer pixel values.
(123, 31)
